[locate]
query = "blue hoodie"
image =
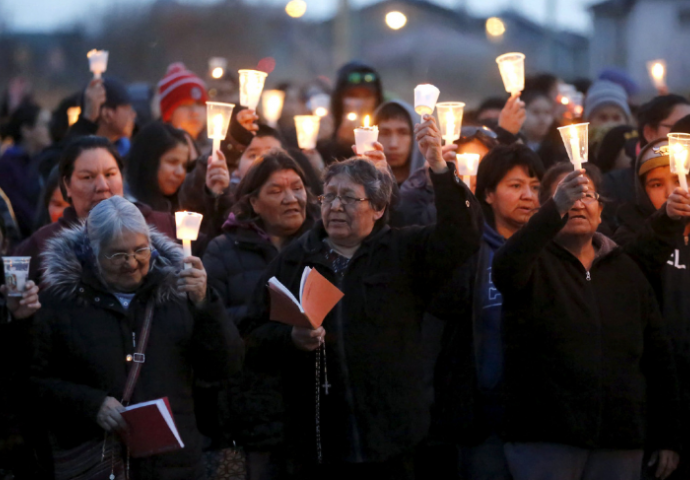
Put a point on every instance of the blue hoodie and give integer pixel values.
(487, 315)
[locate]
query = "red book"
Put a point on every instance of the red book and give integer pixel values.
(152, 429)
(317, 295)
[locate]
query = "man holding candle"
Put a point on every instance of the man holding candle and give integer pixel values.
(395, 122)
(653, 187)
(107, 112)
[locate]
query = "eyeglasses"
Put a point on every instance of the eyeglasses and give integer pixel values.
(329, 198)
(589, 198)
(118, 259)
(358, 77)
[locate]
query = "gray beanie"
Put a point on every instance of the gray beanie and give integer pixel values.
(603, 92)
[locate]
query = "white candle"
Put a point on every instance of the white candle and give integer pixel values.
(680, 158)
(575, 148)
(98, 62)
(425, 98)
(187, 224)
(218, 117)
(450, 127)
(251, 86)
(307, 127)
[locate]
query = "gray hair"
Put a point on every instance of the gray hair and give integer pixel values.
(110, 219)
(377, 182)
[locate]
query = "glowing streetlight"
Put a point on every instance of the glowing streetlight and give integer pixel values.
(495, 27)
(217, 66)
(296, 8)
(396, 20)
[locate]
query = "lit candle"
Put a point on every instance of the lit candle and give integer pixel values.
(307, 127)
(73, 115)
(272, 103)
(218, 117)
(98, 62)
(657, 71)
(467, 166)
(678, 146)
(425, 98)
(681, 161)
(512, 69)
(251, 86)
(188, 224)
(575, 148)
(450, 120)
(576, 138)
(450, 127)
(366, 136)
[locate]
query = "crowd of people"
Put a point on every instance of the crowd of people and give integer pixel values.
(529, 324)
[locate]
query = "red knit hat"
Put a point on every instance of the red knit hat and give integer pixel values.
(179, 85)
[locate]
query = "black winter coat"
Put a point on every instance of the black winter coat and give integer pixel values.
(587, 359)
(251, 409)
(84, 335)
(378, 406)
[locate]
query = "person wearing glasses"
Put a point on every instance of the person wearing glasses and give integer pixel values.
(589, 374)
(374, 390)
(101, 278)
(90, 171)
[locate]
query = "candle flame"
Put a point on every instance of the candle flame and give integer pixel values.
(367, 121)
(658, 71)
(320, 112)
(565, 101)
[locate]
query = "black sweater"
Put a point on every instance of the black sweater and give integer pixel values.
(588, 362)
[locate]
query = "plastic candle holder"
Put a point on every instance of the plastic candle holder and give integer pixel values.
(98, 62)
(576, 140)
(307, 127)
(218, 117)
(272, 106)
(467, 165)
(365, 136)
(657, 72)
(251, 86)
(512, 68)
(678, 151)
(188, 224)
(450, 120)
(425, 97)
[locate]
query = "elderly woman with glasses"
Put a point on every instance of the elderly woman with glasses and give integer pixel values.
(589, 378)
(367, 406)
(102, 280)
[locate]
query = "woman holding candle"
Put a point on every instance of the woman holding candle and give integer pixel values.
(589, 375)
(102, 279)
(160, 174)
(374, 408)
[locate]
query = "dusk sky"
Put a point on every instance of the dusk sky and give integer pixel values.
(48, 15)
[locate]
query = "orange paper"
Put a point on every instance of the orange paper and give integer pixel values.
(318, 296)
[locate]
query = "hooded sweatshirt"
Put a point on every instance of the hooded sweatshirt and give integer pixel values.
(415, 159)
(672, 284)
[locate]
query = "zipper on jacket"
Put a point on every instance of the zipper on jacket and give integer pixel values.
(589, 277)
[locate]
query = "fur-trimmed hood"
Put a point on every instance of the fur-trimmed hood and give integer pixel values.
(67, 261)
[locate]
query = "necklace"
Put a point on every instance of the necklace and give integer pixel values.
(320, 353)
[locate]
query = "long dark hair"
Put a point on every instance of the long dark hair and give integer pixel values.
(259, 173)
(143, 160)
(73, 151)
